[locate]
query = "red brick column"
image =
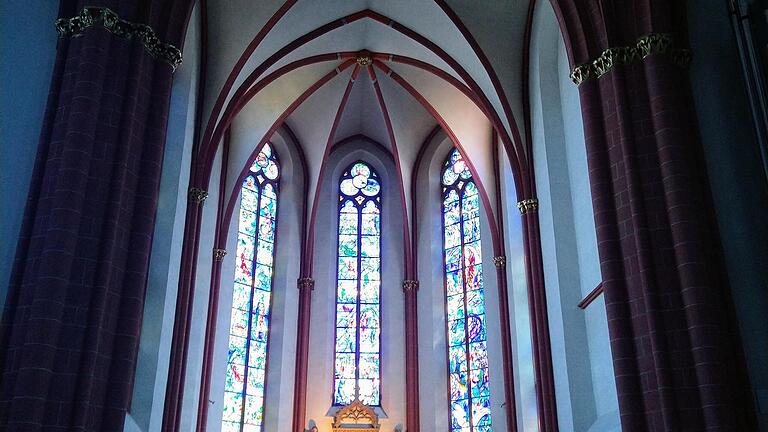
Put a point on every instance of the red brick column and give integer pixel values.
(676, 352)
(410, 290)
(305, 285)
(537, 304)
(72, 320)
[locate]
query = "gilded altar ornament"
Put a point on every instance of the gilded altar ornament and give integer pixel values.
(219, 254)
(109, 20)
(305, 283)
(653, 43)
(500, 261)
(198, 195)
(410, 285)
(356, 417)
(528, 205)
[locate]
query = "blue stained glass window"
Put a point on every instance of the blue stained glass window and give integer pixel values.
(470, 407)
(251, 299)
(357, 360)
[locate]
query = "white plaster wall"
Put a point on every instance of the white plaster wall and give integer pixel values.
(584, 380)
(192, 378)
(520, 316)
(321, 347)
(281, 350)
(596, 320)
(433, 357)
(146, 410)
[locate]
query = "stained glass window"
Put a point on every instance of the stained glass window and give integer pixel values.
(249, 329)
(470, 407)
(357, 373)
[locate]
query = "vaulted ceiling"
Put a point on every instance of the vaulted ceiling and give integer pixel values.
(389, 69)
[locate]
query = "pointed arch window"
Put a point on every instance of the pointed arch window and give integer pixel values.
(465, 301)
(249, 329)
(357, 360)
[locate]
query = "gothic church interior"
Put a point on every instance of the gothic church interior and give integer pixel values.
(375, 215)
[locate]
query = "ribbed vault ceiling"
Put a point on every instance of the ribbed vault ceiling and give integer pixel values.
(390, 70)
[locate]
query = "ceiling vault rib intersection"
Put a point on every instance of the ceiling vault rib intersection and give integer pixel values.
(210, 139)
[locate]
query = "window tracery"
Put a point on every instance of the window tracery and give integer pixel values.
(357, 360)
(243, 407)
(470, 407)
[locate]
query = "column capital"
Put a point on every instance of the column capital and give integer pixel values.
(528, 205)
(219, 254)
(305, 283)
(410, 285)
(644, 46)
(198, 195)
(109, 20)
(500, 261)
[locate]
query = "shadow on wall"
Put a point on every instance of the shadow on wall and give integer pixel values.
(737, 178)
(29, 38)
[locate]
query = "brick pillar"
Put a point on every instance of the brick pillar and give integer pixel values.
(71, 325)
(410, 290)
(510, 405)
(537, 304)
(306, 285)
(675, 346)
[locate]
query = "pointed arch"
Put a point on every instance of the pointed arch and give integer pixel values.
(469, 383)
(244, 390)
(357, 353)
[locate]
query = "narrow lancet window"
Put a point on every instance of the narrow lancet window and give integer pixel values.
(249, 329)
(470, 407)
(357, 371)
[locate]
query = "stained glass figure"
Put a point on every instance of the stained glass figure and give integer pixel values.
(357, 371)
(465, 303)
(251, 300)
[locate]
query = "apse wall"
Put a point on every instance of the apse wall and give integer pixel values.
(146, 410)
(29, 38)
(281, 349)
(322, 324)
(432, 350)
(583, 371)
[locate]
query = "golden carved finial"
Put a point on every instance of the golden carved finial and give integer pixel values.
(198, 195)
(410, 285)
(356, 417)
(500, 261)
(528, 205)
(305, 283)
(364, 58)
(219, 254)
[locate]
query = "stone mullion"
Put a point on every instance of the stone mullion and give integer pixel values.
(358, 238)
(464, 299)
(250, 307)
